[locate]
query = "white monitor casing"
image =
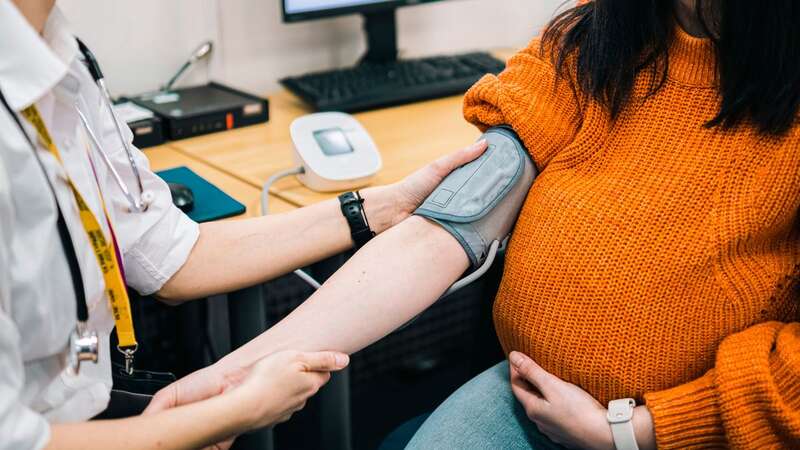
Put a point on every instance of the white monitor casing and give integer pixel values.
(338, 172)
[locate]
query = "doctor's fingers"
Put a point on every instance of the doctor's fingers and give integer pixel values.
(164, 399)
(311, 383)
(222, 445)
(452, 161)
(323, 361)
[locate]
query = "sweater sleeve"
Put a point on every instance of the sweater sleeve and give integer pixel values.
(750, 399)
(529, 97)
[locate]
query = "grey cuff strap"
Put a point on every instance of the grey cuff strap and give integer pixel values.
(479, 202)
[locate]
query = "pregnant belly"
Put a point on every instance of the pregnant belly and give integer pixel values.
(595, 330)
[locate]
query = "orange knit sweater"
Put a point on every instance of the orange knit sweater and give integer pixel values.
(655, 258)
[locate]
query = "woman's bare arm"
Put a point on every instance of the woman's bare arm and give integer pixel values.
(391, 280)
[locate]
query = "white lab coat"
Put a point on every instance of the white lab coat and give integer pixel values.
(37, 302)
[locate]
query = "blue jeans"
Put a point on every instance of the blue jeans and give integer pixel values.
(482, 414)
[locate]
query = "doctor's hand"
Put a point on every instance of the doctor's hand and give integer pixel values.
(278, 386)
(387, 206)
(567, 414)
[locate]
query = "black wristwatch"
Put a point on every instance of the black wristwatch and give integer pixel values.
(353, 210)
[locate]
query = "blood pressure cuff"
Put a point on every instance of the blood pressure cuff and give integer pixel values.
(479, 202)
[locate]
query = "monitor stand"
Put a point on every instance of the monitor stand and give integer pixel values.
(381, 30)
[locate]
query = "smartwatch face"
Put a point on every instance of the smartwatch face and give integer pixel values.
(333, 142)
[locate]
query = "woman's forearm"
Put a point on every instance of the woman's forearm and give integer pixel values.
(235, 254)
(391, 280)
(187, 427)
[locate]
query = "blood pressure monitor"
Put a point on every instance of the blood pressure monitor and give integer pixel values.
(335, 151)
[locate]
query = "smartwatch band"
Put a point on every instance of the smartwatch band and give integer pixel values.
(620, 415)
(353, 210)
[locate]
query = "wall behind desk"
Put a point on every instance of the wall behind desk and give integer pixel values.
(140, 43)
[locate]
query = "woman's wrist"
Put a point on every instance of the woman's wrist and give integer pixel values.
(643, 428)
(230, 370)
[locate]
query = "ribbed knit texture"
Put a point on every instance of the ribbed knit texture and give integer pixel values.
(650, 249)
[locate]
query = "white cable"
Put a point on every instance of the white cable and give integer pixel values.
(272, 180)
(265, 211)
(308, 279)
(481, 271)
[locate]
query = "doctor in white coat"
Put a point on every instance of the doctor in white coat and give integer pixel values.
(56, 190)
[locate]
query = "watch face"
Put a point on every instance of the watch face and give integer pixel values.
(621, 410)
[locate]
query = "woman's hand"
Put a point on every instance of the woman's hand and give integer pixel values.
(387, 206)
(200, 385)
(567, 414)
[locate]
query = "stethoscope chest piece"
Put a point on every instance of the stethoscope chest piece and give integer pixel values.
(84, 346)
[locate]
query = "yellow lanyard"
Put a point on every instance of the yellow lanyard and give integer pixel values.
(104, 250)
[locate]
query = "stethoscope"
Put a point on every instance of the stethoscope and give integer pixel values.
(145, 197)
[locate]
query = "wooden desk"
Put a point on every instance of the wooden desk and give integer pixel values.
(408, 137)
(164, 157)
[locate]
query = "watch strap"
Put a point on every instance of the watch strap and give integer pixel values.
(352, 205)
(620, 415)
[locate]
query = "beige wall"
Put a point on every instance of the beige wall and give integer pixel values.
(141, 43)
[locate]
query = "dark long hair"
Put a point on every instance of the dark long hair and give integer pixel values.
(607, 44)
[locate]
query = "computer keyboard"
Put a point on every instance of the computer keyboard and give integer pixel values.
(374, 85)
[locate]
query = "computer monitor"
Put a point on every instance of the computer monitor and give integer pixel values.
(380, 24)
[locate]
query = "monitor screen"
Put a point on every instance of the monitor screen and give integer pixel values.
(298, 10)
(305, 6)
(333, 142)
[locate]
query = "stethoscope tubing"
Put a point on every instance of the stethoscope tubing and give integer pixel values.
(107, 161)
(97, 75)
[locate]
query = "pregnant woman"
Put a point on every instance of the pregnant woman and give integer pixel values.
(656, 257)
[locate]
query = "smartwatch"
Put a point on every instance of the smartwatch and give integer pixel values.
(353, 210)
(620, 415)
